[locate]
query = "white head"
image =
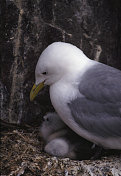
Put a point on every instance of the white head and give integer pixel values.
(50, 125)
(57, 61)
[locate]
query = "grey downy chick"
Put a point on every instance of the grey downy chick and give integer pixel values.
(61, 141)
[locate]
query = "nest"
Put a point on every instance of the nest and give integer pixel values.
(22, 154)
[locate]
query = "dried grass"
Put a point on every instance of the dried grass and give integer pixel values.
(22, 154)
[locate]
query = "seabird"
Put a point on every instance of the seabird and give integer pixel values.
(86, 94)
(61, 141)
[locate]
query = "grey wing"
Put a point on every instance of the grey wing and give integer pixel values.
(99, 110)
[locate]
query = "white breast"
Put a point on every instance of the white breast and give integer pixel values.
(60, 95)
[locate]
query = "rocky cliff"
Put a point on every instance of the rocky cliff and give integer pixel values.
(27, 27)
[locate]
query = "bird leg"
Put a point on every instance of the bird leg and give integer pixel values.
(98, 151)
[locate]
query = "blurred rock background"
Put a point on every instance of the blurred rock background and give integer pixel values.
(27, 27)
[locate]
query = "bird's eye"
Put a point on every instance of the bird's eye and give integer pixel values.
(44, 73)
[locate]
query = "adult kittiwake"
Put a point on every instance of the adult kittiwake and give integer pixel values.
(86, 94)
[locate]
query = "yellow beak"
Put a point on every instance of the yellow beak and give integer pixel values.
(35, 90)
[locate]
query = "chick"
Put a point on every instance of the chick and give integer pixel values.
(61, 141)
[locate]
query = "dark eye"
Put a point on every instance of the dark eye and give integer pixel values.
(44, 73)
(47, 119)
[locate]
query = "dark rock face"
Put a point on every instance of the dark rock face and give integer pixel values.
(30, 26)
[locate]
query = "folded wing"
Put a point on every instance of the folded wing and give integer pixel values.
(99, 109)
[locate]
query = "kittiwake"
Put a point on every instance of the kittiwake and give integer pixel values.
(86, 94)
(61, 141)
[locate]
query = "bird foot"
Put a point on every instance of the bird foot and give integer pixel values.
(97, 152)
